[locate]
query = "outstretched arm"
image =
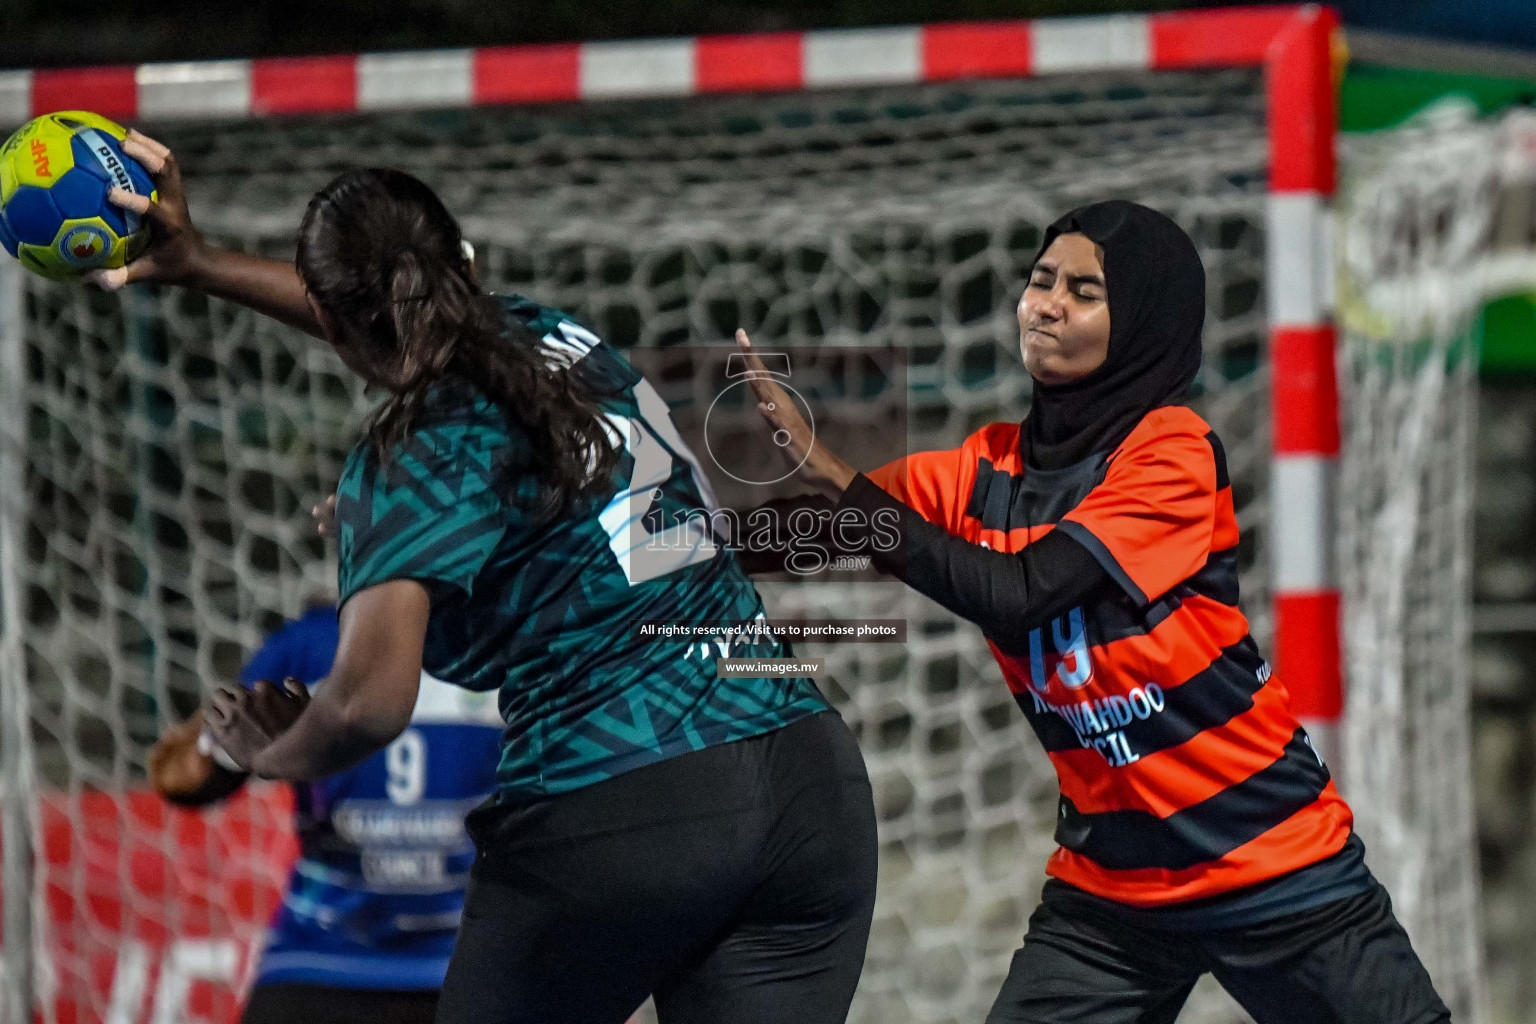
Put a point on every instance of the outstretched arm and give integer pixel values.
(178, 255)
(1006, 594)
(364, 703)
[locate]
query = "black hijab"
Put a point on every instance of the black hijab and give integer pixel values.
(1156, 289)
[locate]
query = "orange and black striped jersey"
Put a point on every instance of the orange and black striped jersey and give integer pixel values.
(1183, 773)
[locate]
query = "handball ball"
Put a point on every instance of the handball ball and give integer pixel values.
(54, 212)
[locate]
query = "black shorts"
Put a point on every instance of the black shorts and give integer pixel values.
(1345, 962)
(285, 1003)
(735, 884)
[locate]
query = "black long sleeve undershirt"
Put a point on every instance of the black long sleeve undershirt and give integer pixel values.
(1006, 594)
(804, 510)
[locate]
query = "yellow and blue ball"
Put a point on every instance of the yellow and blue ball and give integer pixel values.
(55, 216)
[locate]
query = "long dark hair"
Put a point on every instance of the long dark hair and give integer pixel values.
(384, 259)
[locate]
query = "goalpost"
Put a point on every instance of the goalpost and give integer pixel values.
(881, 186)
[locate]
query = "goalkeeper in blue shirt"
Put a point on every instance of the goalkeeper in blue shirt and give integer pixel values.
(367, 923)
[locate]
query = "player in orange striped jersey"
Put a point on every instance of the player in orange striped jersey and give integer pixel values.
(1095, 545)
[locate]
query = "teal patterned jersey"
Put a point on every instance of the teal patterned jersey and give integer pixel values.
(543, 610)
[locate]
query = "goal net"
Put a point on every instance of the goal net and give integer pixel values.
(1435, 220)
(166, 449)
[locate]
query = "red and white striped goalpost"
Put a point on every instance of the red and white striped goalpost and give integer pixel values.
(1295, 45)
(1304, 392)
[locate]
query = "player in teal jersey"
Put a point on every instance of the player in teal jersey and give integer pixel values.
(520, 504)
(583, 701)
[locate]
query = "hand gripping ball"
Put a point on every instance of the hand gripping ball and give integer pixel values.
(55, 216)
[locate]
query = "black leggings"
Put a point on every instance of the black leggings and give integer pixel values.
(1345, 962)
(735, 884)
(287, 1003)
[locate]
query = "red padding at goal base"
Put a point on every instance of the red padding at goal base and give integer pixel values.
(110, 92)
(748, 63)
(1234, 38)
(303, 85)
(1304, 391)
(527, 74)
(127, 872)
(1308, 653)
(976, 50)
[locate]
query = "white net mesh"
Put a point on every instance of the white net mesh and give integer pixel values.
(172, 444)
(1435, 220)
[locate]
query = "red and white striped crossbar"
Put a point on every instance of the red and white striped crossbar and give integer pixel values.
(653, 67)
(1293, 43)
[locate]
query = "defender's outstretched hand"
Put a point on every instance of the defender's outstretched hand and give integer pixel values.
(792, 435)
(176, 251)
(245, 721)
